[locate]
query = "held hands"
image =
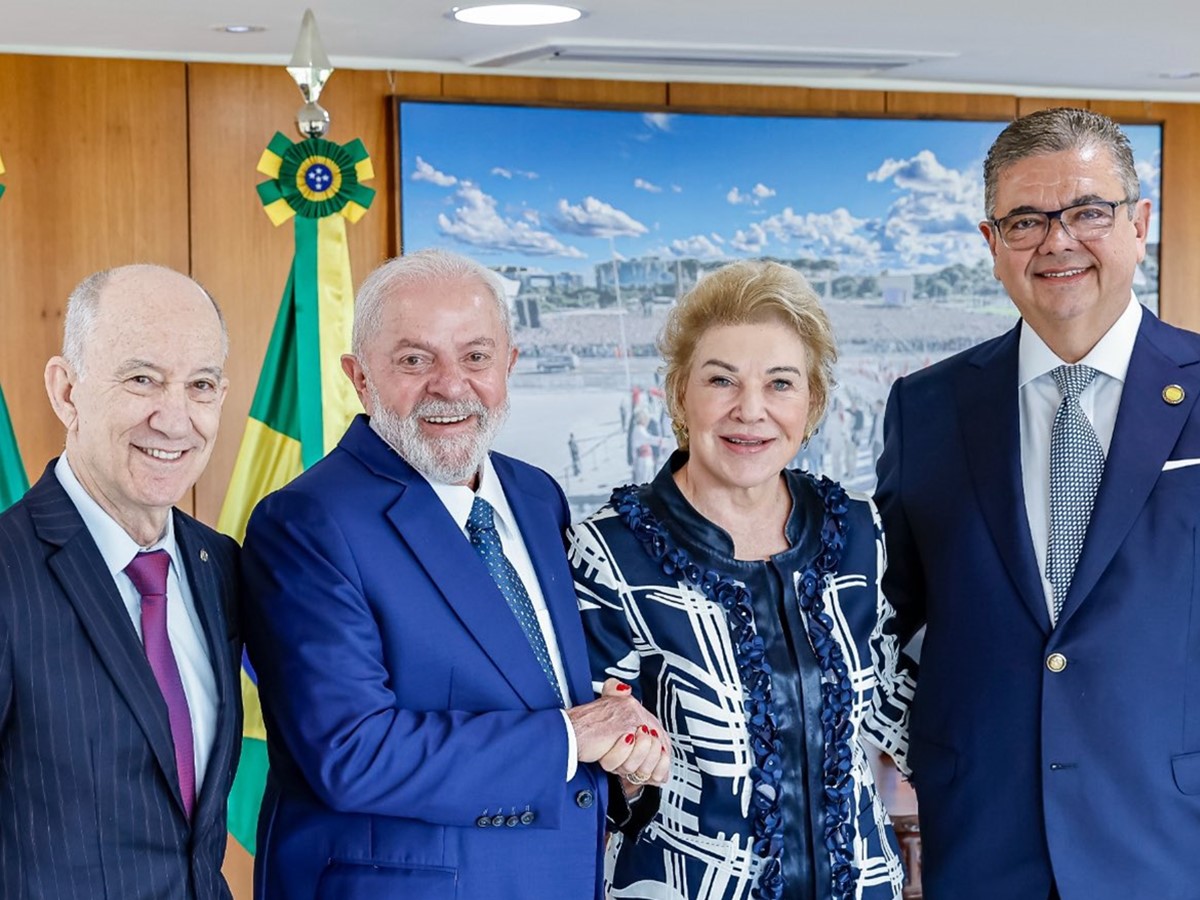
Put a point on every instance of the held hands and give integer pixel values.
(618, 732)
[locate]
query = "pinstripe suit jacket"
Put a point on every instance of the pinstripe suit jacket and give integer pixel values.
(90, 807)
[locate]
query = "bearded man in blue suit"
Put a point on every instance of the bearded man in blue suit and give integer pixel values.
(1040, 494)
(431, 724)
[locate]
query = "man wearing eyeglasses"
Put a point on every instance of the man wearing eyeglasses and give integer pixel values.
(1041, 498)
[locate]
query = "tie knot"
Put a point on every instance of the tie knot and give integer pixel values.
(148, 572)
(480, 518)
(1072, 380)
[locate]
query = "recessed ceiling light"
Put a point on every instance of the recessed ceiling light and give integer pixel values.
(516, 14)
(1180, 74)
(239, 29)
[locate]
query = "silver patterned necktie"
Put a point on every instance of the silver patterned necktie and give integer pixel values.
(1076, 464)
(481, 527)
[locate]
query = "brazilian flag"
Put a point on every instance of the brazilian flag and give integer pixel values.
(13, 483)
(303, 402)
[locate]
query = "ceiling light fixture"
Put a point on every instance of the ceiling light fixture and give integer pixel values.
(239, 29)
(1180, 74)
(516, 14)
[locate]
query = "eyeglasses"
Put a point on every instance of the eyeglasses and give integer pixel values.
(1085, 222)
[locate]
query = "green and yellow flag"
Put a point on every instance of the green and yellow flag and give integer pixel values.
(303, 402)
(13, 483)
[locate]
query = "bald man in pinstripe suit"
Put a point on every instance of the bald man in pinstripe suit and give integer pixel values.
(119, 710)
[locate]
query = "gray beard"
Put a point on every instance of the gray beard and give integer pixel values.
(453, 460)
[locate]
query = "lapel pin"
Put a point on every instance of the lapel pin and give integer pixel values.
(1173, 394)
(204, 553)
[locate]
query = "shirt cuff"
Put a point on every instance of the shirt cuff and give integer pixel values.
(572, 746)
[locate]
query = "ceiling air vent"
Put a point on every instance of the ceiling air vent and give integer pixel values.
(807, 60)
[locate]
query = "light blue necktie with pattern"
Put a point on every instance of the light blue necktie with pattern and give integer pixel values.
(1076, 464)
(481, 526)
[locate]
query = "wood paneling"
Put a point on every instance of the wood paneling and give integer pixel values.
(1027, 105)
(773, 98)
(96, 152)
(236, 252)
(951, 106)
(554, 90)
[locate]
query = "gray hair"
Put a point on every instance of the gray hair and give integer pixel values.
(418, 268)
(1053, 131)
(83, 307)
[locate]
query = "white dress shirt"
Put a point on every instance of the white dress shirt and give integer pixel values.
(458, 498)
(1039, 402)
(183, 623)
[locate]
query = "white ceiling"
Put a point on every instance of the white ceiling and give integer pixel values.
(1087, 48)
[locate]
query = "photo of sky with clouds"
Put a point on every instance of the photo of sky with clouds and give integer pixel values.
(561, 190)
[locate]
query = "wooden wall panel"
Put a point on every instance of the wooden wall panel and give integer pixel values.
(1027, 105)
(516, 89)
(236, 251)
(951, 106)
(685, 95)
(96, 152)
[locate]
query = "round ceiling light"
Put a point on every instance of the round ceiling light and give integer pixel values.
(516, 14)
(239, 29)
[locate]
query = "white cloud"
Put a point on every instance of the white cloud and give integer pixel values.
(643, 185)
(477, 223)
(532, 215)
(502, 172)
(595, 218)
(1149, 172)
(698, 246)
(676, 189)
(716, 237)
(933, 220)
(658, 121)
(756, 195)
(838, 235)
(751, 240)
(426, 172)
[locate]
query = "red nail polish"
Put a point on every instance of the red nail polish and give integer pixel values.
(645, 730)
(662, 747)
(622, 687)
(653, 732)
(629, 738)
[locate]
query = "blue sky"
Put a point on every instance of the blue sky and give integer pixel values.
(548, 188)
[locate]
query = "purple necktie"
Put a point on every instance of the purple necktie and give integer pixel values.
(148, 572)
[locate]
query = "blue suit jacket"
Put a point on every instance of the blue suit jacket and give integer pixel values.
(1090, 775)
(416, 747)
(89, 795)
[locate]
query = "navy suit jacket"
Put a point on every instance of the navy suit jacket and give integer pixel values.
(1090, 775)
(90, 805)
(416, 747)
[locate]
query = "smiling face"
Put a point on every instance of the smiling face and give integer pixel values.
(434, 376)
(142, 415)
(745, 404)
(1070, 292)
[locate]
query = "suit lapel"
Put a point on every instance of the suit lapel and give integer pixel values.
(200, 569)
(463, 580)
(988, 398)
(538, 521)
(1147, 428)
(89, 588)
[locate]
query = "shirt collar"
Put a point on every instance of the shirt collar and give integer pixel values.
(1110, 355)
(116, 546)
(457, 498)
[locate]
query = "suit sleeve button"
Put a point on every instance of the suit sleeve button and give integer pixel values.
(497, 821)
(483, 821)
(527, 818)
(512, 821)
(1056, 662)
(585, 799)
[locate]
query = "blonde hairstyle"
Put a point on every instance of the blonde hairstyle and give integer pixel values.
(748, 293)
